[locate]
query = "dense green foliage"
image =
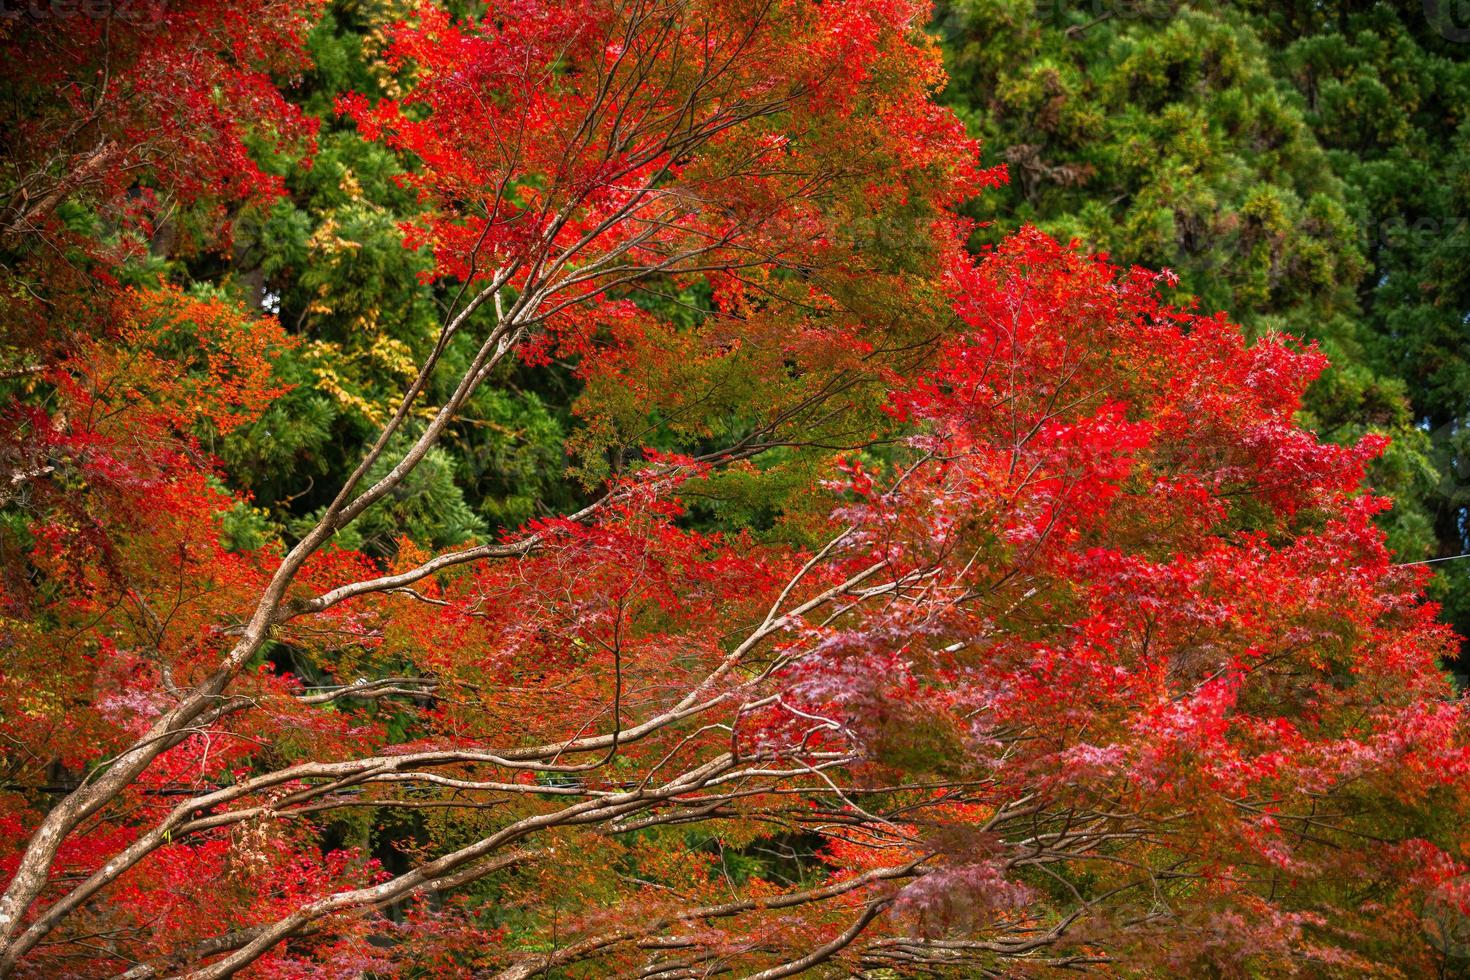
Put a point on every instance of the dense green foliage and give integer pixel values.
(328, 260)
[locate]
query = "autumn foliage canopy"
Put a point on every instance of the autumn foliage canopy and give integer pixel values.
(922, 611)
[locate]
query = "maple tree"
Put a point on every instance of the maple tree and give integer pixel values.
(1294, 164)
(926, 612)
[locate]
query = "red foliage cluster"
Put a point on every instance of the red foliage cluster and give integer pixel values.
(151, 104)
